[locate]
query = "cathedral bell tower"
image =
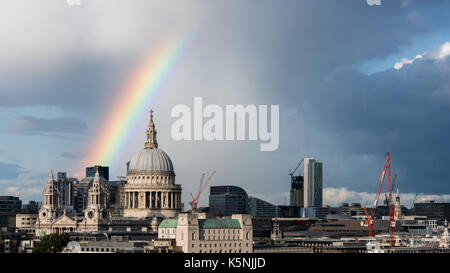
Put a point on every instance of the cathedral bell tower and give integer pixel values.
(50, 201)
(96, 211)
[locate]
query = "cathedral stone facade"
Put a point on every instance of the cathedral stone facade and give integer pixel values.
(149, 195)
(151, 190)
(54, 219)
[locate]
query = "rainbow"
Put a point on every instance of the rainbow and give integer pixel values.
(132, 101)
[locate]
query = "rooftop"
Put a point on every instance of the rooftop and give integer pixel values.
(204, 223)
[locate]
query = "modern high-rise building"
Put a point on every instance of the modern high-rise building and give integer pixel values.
(9, 206)
(258, 207)
(102, 170)
(10, 203)
(297, 191)
(65, 187)
(433, 210)
(312, 185)
(228, 200)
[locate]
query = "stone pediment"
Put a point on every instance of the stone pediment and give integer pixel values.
(64, 220)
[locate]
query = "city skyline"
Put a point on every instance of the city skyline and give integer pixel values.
(352, 85)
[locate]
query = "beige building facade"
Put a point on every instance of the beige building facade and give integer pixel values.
(26, 223)
(195, 234)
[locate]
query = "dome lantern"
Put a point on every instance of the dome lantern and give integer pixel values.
(151, 141)
(151, 159)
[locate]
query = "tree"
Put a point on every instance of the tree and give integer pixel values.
(52, 243)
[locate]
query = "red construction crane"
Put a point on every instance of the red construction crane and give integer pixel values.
(386, 168)
(194, 201)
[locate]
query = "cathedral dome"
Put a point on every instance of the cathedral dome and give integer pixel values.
(150, 160)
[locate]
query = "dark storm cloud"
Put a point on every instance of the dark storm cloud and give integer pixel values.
(298, 54)
(10, 171)
(401, 111)
(33, 125)
(82, 83)
(279, 37)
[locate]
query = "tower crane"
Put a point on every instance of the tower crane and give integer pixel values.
(194, 201)
(291, 173)
(386, 169)
(393, 181)
(414, 201)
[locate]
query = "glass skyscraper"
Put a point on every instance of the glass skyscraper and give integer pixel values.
(228, 200)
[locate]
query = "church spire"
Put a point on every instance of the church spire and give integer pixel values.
(151, 134)
(50, 176)
(97, 176)
(398, 208)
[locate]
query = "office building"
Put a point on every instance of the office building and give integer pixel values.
(195, 234)
(312, 186)
(26, 223)
(289, 211)
(261, 208)
(433, 210)
(31, 207)
(9, 206)
(102, 170)
(227, 200)
(65, 187)
(296, 193)
(10, 203)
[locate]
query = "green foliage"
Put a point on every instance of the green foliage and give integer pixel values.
(52, 243)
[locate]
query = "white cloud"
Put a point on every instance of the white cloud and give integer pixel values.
(37, 33)
(404, 61)
(337, 196)
(440, 52)
(28, 186)
(435, 54)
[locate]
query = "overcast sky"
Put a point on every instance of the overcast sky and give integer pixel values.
(353, 82)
